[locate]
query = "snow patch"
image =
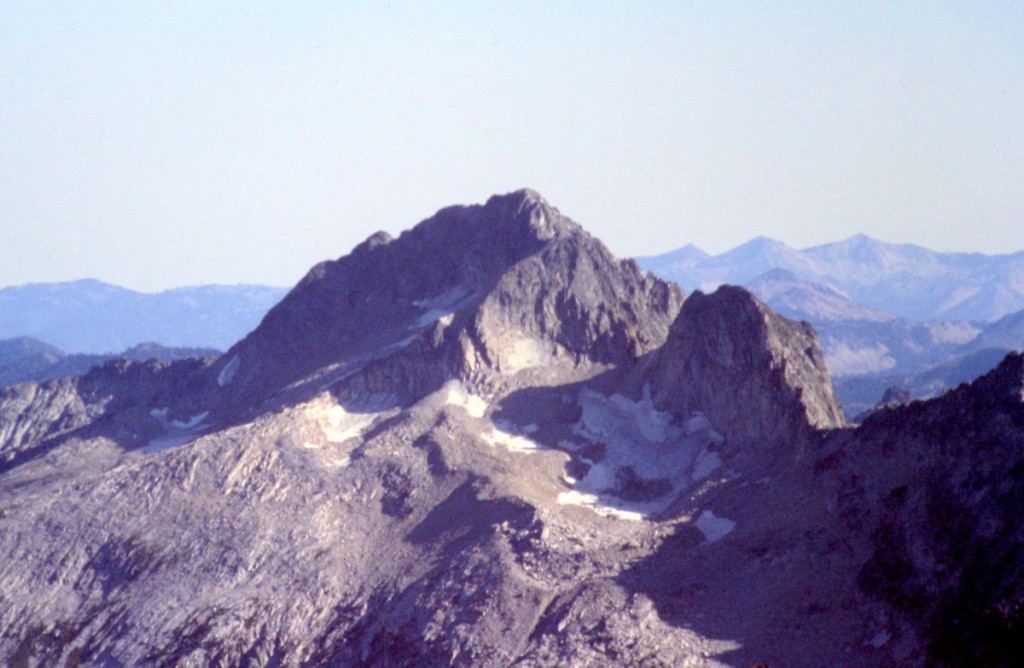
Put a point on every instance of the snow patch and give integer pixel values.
(504, 434)
(596, 490)
(190, 423)
(339, 424)
(227, 374)
(340, 462)
(648, 459)
(343, 425)
(440, 307)
(404, 343)
(714, 527)
(601, 506)
(340, 371)
(634, 433)
(457, 395)
(707, 463)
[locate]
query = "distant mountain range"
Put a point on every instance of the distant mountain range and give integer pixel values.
(887, 314)
(25, 358)
(902, 279)
(90, 316)
(869, 351)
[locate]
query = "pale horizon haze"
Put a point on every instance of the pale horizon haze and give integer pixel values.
(155, 145)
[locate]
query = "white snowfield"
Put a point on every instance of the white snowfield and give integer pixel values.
(440, 307)
(456, 395)
(340, 427)
(227, 374)
(507, 436)
(640, 439)
(340, 424)
(639, 443)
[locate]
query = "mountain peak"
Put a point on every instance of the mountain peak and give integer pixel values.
(483, 289)
(759, 255)
(523, 197)
(529, 210)
(800, 299)
(762, 243)
(375, 240)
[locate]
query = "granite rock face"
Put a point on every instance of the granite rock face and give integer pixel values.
(474, 293)
(113, 399)
(758, 377)
(488, 442)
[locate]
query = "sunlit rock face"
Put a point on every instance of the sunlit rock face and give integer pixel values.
(488, 442)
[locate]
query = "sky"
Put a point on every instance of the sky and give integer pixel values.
(155, 145)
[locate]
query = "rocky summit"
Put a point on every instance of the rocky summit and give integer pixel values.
(488, 442)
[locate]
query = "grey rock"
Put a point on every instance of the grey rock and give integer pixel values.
(759, 377)
(114, 400)
(475, 445)
(941, 513)
(474, 293)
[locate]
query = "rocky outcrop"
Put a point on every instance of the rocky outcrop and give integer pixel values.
(476, 292)
(115, 399)
(892, 397)
(758, 377)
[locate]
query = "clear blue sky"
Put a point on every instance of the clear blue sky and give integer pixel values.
(179, 143)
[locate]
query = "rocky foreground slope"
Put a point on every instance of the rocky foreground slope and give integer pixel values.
(490, 443)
